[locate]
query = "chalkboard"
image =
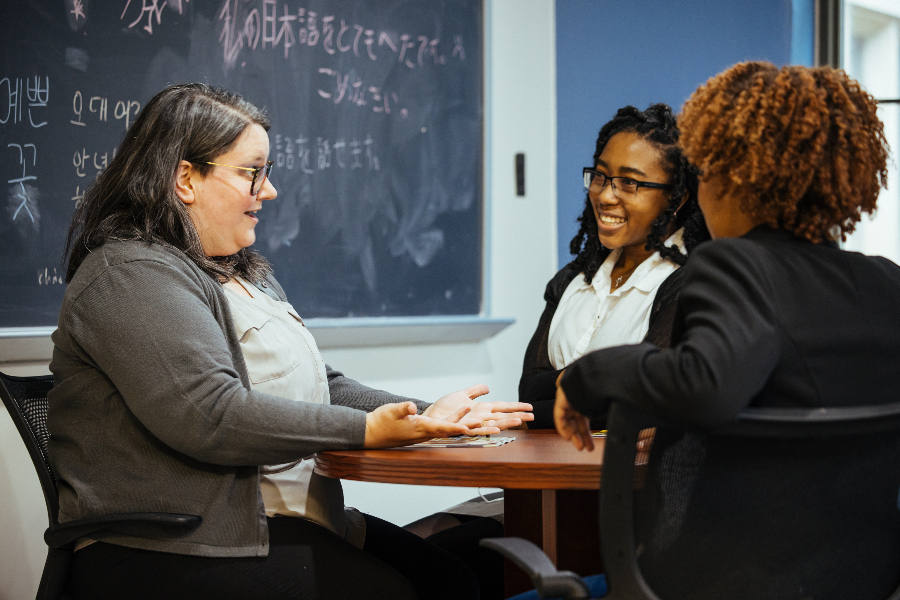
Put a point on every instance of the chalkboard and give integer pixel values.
(377, 138)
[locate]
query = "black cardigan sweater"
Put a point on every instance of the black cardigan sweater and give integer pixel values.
(537, 385)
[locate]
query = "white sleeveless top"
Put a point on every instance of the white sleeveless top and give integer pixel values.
(283, 360)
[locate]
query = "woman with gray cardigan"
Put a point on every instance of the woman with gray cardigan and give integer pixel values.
(182, 375)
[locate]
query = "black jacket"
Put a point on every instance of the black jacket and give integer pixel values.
(764, 320)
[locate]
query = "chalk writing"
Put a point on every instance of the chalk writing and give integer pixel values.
(380, 198)
(458, 50)
(99, 106)
(85, 160)
(291, 152)
(77, 105)
(22, 200)
(24, 161)
(150, 8)
(286, 28)
(232, 39)
(78, 198)
(127, 109)
(45, 277)
(78, 9)
(36, 95)
(350, 88)
(23, 203)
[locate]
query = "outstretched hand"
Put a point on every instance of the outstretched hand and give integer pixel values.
(398, 425)
(484, 418)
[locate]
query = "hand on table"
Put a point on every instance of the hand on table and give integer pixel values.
(571, 424)
(398, 425)
(576, 428)
(484, 418)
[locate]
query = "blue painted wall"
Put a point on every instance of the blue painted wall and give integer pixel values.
(611, 53)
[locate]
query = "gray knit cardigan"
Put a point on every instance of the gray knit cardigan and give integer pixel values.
(152, 409)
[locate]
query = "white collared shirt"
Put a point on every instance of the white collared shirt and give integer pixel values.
(589, 317)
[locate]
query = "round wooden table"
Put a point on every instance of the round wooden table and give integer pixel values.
(549, 488)
(538, 459)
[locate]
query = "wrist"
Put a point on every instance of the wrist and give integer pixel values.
(368, 437)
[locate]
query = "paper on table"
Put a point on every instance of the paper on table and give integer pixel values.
(462, 441)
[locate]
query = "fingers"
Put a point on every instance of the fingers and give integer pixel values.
(647, 434)
(511, 407)
(645, 439)
(400, 410)
(504, 423)
(583, 431)
(521, 416)
(498, 411)
(479, 389)
(479, 426)
(457, 416)
(429, 428)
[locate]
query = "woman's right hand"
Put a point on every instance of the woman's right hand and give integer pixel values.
(398, 425)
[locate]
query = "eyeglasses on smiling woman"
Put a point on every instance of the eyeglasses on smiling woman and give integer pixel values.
(254, 187)
(624, 188)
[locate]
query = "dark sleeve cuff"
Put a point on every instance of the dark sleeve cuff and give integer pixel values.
(576, 383)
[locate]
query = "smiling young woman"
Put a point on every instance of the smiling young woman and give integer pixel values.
(624, 207)
(640, 220)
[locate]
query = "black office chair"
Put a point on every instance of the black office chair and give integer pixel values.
(26, 400)
(721, 512)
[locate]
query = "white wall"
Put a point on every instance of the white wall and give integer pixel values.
(521, 117)
(872, 56)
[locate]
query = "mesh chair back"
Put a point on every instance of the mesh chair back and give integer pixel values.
(725, 517)
(802, 509)
(26, 400)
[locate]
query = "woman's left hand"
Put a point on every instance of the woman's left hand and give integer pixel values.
(483, 418)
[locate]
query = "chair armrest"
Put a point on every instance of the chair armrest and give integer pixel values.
(65, 534)
(813, 422)
(548, 582)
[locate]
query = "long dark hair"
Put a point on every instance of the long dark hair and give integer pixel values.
(134, 198)
(658, 126)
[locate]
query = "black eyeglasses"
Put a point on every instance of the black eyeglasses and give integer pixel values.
(254, 188)
(626, 186)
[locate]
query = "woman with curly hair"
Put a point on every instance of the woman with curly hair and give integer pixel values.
(640, 220)
(772, 314)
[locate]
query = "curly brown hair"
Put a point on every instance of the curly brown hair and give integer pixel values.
(802, 147)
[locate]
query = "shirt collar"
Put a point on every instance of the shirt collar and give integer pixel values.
(646, 277)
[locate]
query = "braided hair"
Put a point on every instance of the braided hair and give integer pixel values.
(658, 126)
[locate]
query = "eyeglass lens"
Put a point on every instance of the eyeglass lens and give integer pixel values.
(623, 186)
(259, 179)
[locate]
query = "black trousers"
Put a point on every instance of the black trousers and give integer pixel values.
(305, 562)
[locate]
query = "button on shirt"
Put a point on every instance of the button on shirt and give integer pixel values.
(589, 317)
